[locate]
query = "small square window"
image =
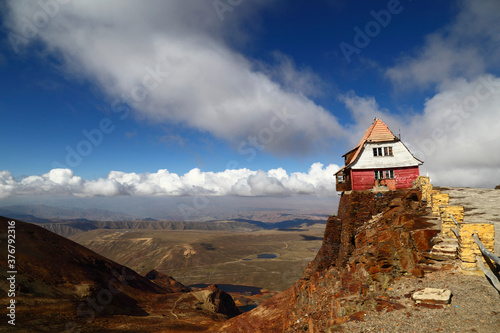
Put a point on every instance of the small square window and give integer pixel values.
(340, 179)
(377, 152)
(389, 174)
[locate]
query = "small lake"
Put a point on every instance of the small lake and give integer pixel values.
(248, 307)
(267, 256)
(232, 288)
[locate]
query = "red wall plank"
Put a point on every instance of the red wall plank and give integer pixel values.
(362, 179)
(405, 176)
(365, 179)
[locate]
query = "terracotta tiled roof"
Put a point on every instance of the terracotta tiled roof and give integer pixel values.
(377, 132)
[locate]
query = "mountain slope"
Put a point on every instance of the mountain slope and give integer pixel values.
(63, 286)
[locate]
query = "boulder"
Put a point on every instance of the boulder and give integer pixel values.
(213, 299)
(166, 282)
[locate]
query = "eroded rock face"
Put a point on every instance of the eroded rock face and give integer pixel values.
(380, 239)
(373, 241)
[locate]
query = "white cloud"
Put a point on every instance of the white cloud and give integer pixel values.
(241, 182)
(465, 48)
(7, 184)
(172, 62)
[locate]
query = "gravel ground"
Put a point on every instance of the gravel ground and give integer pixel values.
(475, 307)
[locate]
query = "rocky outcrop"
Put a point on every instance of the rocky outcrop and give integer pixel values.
(375, 239)
(166, 282)
(213, 299)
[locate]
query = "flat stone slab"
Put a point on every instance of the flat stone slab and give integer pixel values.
(432, 296)
(446, 248)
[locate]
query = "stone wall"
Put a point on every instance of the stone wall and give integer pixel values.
(447, 223)
(461, 234)
(467, 247)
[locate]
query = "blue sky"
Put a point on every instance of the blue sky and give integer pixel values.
(277, 86)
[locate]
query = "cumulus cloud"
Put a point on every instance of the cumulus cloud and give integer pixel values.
(456, 135)
(318, 180)
(171, 62)
(465, 48)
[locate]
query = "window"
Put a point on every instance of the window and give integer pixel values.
(340, 179)
(386, 151)
(381, 174)
(377, 151)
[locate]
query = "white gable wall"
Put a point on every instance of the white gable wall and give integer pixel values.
(401, 157)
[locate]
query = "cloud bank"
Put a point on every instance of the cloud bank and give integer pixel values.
(176, 62)
(318, 180)
(170, 62)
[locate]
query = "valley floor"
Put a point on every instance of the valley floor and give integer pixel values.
(269, 259)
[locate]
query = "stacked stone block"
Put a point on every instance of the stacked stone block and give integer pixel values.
(420, 181)
(430, 193)
(468, 250)
(447, 223)
(425, 190)
(467, 247)
(437, 200)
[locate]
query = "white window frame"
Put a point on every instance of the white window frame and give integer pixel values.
(383, 151)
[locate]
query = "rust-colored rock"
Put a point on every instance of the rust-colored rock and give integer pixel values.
(417, 272)
(423, 239)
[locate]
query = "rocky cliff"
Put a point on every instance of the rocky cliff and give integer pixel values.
(374, 240)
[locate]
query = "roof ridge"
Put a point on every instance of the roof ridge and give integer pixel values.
(384, 136)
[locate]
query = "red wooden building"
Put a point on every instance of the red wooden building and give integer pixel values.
(381, 159)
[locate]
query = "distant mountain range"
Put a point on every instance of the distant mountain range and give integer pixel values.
(46, 214)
